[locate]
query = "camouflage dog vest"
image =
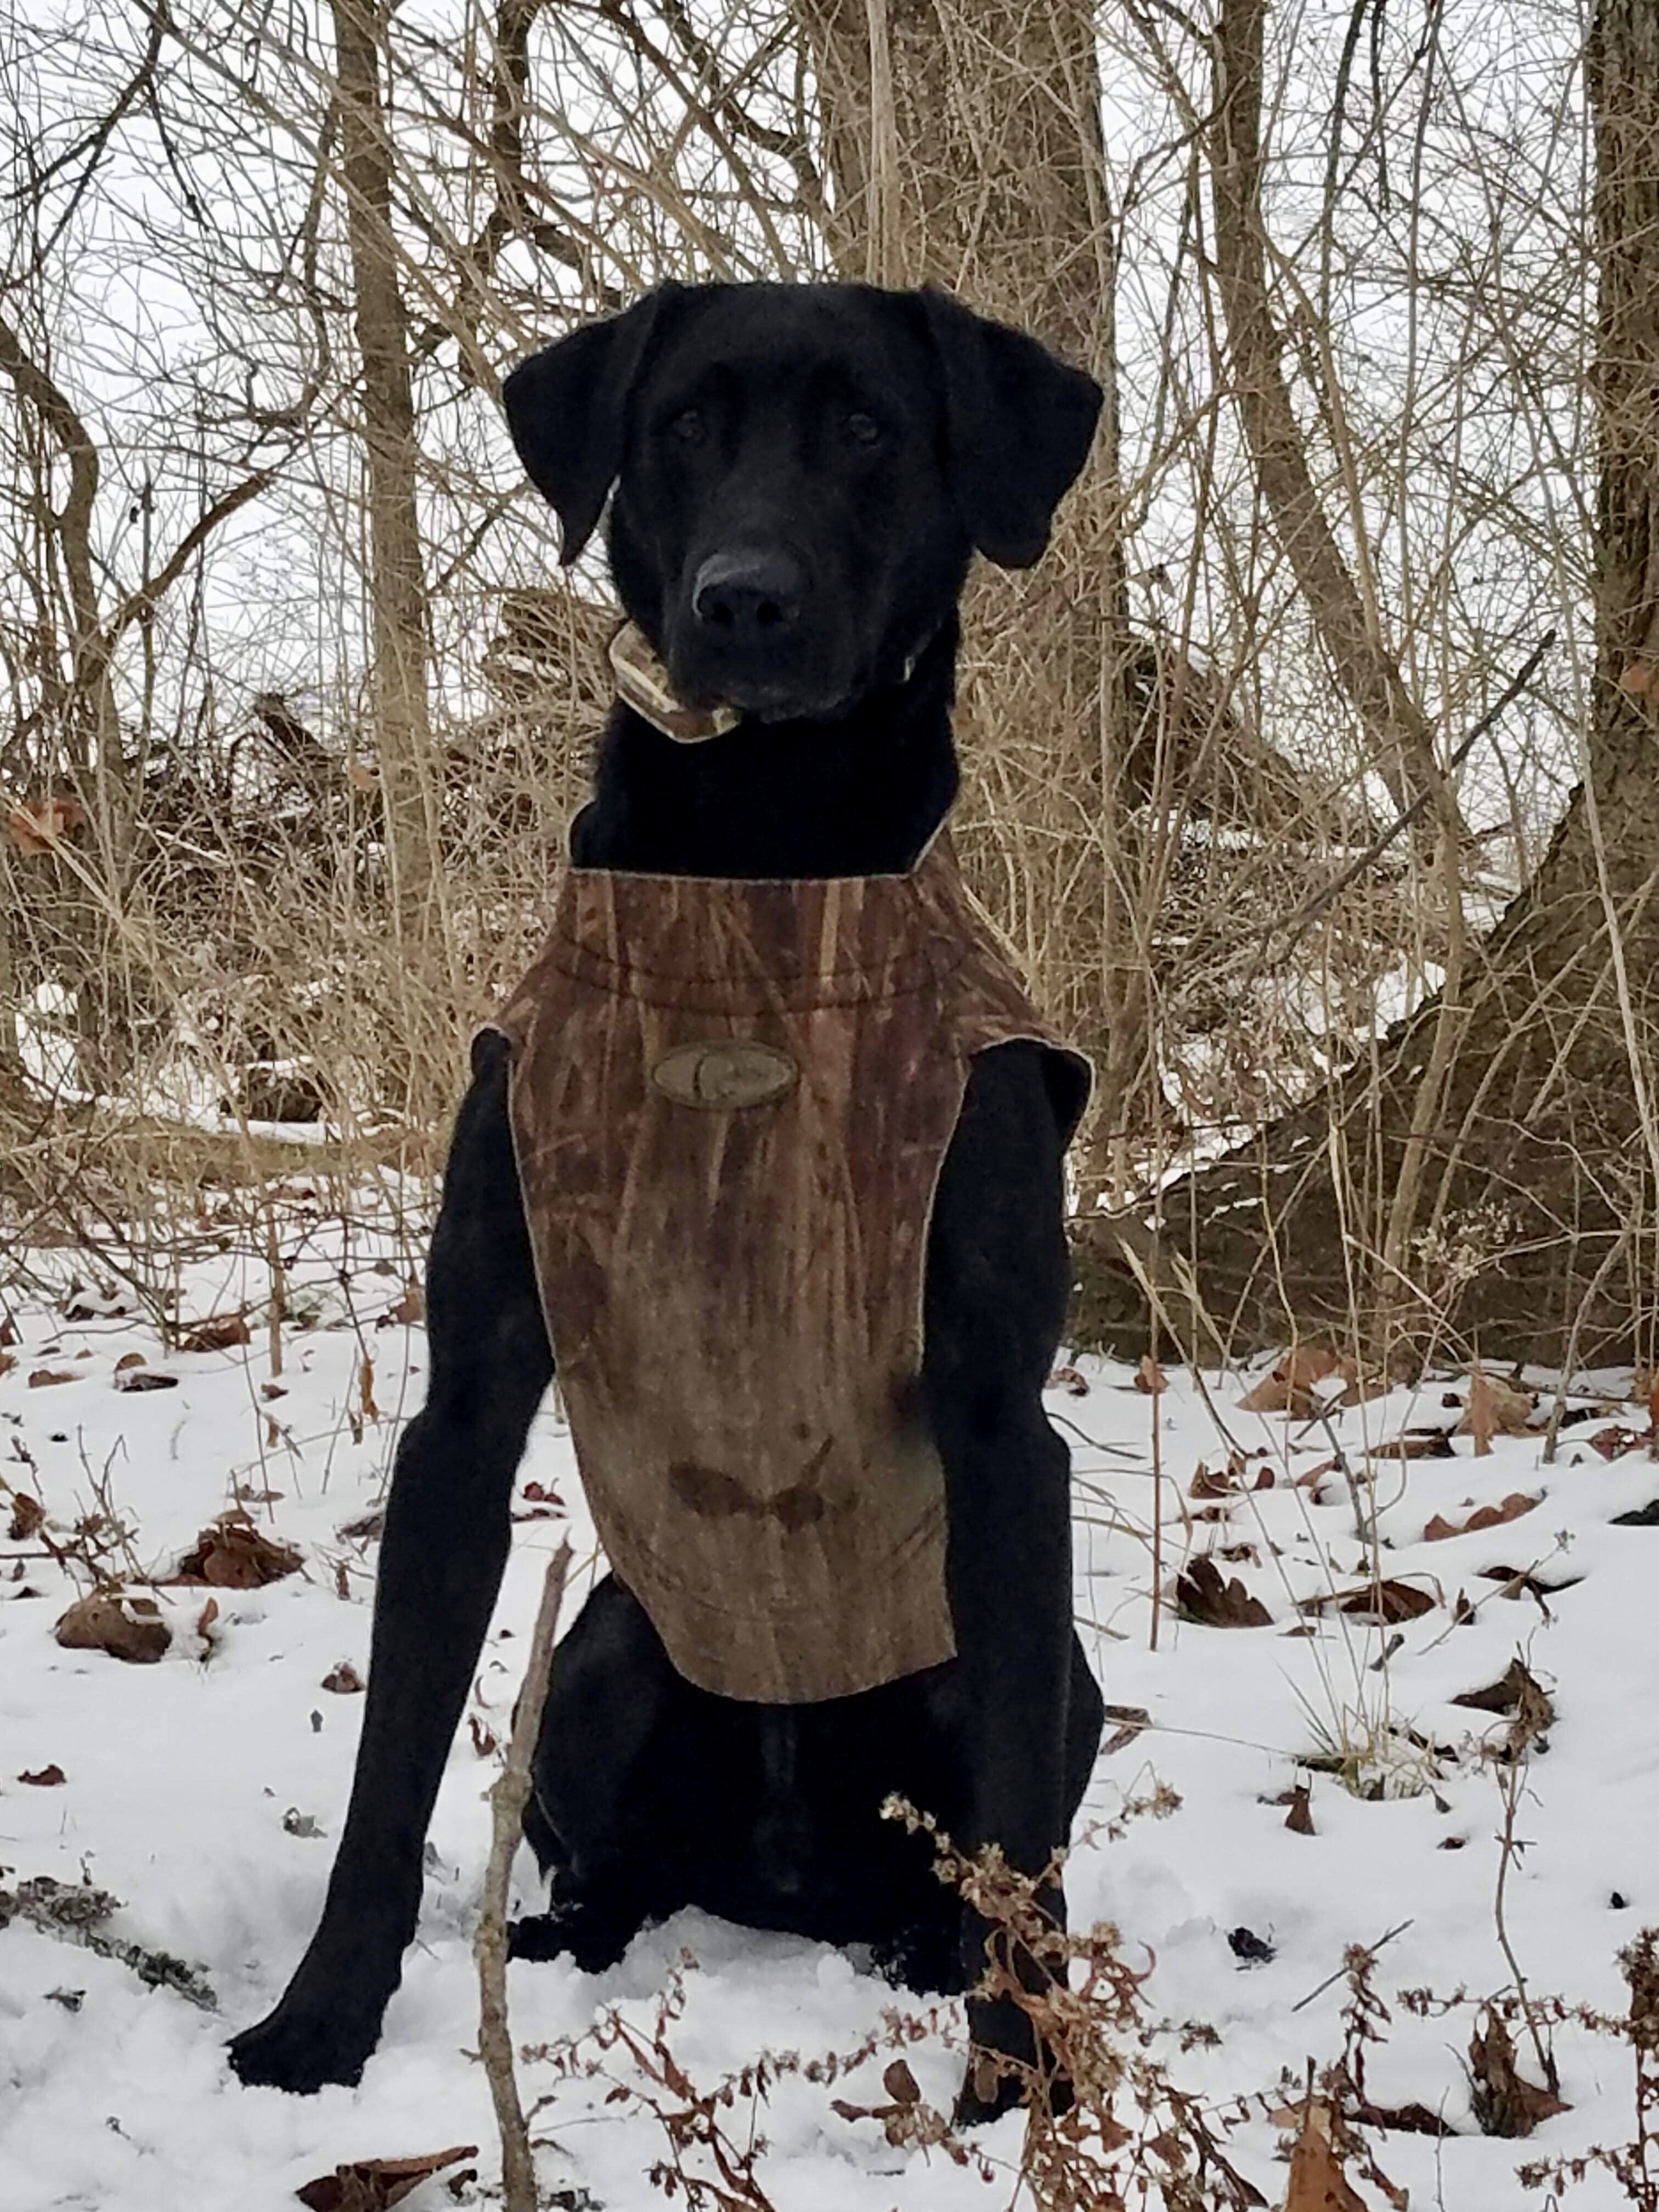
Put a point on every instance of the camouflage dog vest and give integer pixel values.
(731, 1102)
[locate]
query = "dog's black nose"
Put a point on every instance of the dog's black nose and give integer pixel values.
(747, 596)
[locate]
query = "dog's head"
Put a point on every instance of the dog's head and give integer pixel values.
(802, 473)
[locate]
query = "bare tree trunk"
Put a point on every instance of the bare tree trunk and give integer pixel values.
(1532, 1229)
(86, 716)
(963, 141)
(396, 581)
(1368, 676)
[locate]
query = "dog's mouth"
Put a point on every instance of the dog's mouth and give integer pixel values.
(758, 697)
(773, 703)
(785, 694)
(686, 699)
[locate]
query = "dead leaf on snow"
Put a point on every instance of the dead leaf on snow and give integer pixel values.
(44, 1777)
(127, 1624)
(1483, 1516)
(27, 1515)
(1290, 1388)
(1299, 1819)
(1311, 1477)
(1362, 1388)
(1203, 1593)
(1521, 1582)
(1068, 1379)
(7, 1361)
(343, 1680)
(1496, 1408)
(1613, 1443)
(44, 1378)
(1149, 1377)
(1513, 1690)
(219, 1333)
(409, 1309)
(1388, 1602)
(1505, 2103)
(1533, 1718)
(1417, 1443)
(232, 1553)
(138, 1379)
(374, 2185)
(1405, 2119)
(1317, 2182)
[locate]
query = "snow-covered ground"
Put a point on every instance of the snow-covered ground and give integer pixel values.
(206, 1792)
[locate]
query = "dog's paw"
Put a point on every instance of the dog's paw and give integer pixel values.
(302, 2050)
(926, 1957)
(591, 1936)
(988, 2091)
(1006, 2068)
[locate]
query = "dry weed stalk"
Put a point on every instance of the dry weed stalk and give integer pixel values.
(1508, 2105)
(508, 1795)
(1634, 2166)
(1107, 2126)
(716, 2126)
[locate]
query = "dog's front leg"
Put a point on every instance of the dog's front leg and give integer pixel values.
(997, 1281)
(448, 1533)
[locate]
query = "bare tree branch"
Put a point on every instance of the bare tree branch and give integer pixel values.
(1404, 741)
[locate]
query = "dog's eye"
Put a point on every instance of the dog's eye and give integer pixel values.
(862, 428)
(687, 426)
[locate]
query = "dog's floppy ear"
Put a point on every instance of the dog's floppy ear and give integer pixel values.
(565, 408)
(1017, 423)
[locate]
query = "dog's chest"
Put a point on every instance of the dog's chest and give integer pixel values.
(730, 1104)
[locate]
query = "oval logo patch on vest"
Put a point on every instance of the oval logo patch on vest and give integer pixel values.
(725, 1072)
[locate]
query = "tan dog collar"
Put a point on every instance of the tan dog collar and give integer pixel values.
(644, 684)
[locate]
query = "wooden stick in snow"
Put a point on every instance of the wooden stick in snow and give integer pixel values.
(508, 1795)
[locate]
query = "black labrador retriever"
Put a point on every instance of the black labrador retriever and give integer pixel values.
(802, 475)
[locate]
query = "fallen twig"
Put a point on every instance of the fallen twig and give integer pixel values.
(1372, 1948)
(75, 1913)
